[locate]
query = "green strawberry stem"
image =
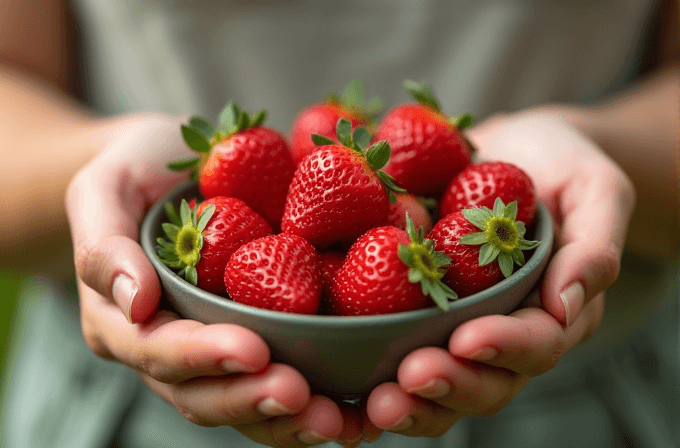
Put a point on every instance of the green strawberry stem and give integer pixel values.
(426, 266)
(376, 156)
(353, 98)
(182, 248)
(422, 93)
(501, 237)
(200, 135)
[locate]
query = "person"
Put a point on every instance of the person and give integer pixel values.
(148, 63)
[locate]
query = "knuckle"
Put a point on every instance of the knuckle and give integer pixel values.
(96, 343)
(177, 400)
(193, 417)
(150, 366)
(82, 258)
(549, 363)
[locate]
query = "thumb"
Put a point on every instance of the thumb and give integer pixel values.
(596, 208)
(105, 204)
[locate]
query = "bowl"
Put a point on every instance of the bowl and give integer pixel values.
(343, 357)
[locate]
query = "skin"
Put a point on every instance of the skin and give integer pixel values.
(86, 159)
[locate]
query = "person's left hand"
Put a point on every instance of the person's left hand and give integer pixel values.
(490, 359)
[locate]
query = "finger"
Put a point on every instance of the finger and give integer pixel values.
(369, 432)
(529, 341)
(105, 203)
(596, 207)
(350, 437)
(319, 422)
(465, 386)
(167, 348)
(237, 399)
(390, 408)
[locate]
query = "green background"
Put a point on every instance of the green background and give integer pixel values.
(9, 287)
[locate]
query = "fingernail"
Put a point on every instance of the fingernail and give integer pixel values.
(370, 438)
(273, 408)
(572, 297)
(435, 388)
(484, 354)
(233, 366)
(124, 290)
(312, 438)
(402, 424)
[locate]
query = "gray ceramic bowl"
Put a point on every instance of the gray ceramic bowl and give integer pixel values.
(343, 357)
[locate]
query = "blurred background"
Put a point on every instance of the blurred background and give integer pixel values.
(9, 287)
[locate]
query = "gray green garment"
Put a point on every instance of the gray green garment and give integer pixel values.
(191, 56)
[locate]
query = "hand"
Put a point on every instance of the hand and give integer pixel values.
(491, 359)
(213, 374)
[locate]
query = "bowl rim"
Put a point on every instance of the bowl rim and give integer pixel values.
(148, 243)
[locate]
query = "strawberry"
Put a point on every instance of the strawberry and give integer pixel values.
(321, 118)
(479, 260)
(242, 159)
(200, 241)
(276, 272)
(411, 205)
(388, 270)
(479, 185)
(428, 148)
(330, 264)
(338, 192)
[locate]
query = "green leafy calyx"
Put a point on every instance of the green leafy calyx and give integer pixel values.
(501, 236)
(422, 93)
(200, 135)
(426, 266)
(353, 98)
(181, 249)
(377, 155)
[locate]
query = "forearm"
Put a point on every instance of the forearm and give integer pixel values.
(640, 130)
(46, 138)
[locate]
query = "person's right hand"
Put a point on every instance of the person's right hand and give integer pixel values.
(212, 374)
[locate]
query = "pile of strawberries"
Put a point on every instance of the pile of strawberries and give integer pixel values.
(342, 220)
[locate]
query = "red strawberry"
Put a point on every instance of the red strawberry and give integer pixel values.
(200, 241)
(473, 253)
(408, 203)
(242, 159)
(338, 192)
(321, 118)
(277, 272)
(388, 270)
(330, 264)
(479, 185)
(428, 148)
